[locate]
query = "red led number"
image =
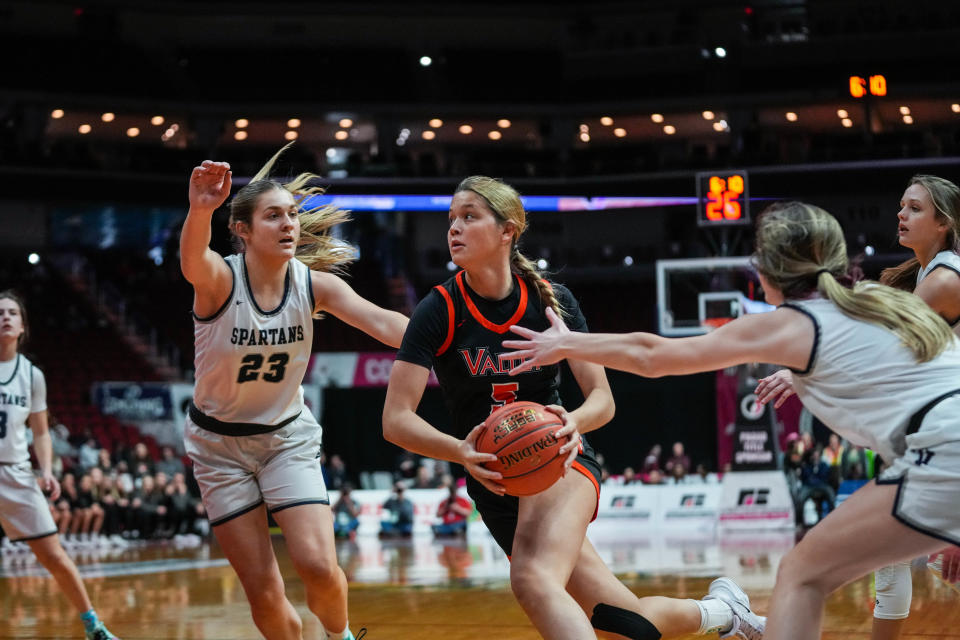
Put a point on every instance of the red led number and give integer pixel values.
(723, 199)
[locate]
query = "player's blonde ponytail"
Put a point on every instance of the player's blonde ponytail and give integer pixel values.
(505, 203)
(800, 249)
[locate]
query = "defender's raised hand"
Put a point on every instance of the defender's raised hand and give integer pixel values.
(209, 185)
(539, 348)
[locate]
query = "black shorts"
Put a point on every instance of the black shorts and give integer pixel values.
(499, 513)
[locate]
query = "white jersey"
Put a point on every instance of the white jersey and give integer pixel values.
(250, 362)
(863, 383)
(947, 260)
(23, 390)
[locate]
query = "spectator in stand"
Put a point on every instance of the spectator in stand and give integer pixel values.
(140, 462)
(652, 461)
(346, 514)
(678, 457)
(87, 497)
(654, 477)
(169, 464)
(399, 514)
(336, 473)
(406, 467)
(604, 475)
(833, 453)
(858, 457)
(678, 474)
(453, 512)
(104, 463)
(630, 476)
(183, 509)
(424, 479)
(114, 504)
(150, 508)
(65, 504)
(89, 454)
(815, 482)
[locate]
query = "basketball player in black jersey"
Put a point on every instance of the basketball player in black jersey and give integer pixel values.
(557, 576)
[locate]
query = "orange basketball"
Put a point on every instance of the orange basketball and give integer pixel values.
(520, 434)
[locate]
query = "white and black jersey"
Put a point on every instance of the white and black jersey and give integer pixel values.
(946, 260)
(23, 390)
(250, 362)
(862, 382)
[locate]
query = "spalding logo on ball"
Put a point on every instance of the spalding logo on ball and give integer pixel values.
(520, 434)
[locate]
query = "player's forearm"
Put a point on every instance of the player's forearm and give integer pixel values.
(630, 352)
(43, 447)
(194, 240)
(406, 429)
(597, 410)
(391, 327)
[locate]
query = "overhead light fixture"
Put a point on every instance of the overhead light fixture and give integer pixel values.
(290, 135)
(465, 129)
(503, 123)
(133, 132)
(241, 123)
(908, 119)
(721, 52)
(56, 114)
(791, 116)
(436, 123)
(346, 123)
(585, 137)
(955, 107)
(341, 135)
(842, 113)
(847, 122)
(620, 132)
(669, 129)
(293, 123)
(657, 117)
(708, 115)
(108, 116)
(156, 121)
(606, 121)
(494, 135)
(240, 135)
(428, 135)
(426, 61)
(84, 128)
(904, 111)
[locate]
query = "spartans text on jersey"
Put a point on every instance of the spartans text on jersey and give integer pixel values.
(255, 337)
(17, 401)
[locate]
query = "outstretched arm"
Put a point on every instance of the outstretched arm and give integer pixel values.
(404, 428)
(782, 337)
(336, 296)
(201, 266)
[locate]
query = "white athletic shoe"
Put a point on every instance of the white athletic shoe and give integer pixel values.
(746, 624)
(936, 568)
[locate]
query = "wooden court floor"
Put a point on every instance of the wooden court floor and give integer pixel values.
(398, 591)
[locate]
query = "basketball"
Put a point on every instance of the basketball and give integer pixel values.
(520, 434)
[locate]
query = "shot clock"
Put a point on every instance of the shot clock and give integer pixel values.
(723, 198)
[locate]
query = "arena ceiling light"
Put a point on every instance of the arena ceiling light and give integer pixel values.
(157, 121)
(108, 116)
(436, 123)
(494, 135)
(842, 113)
(465, 129)
(584, 136)
(657, 117)
(847, 122)
(346, 123)
(341, 135)
(791, 116)
(708, 115)
(293, 123)
(428, 135)
(620, 132)
(606, 121)
(426, 61)
(503, 123)
(720, 52)
(904, 111)
(133, 132)
(56, 114)
(955, 107)
(84, 128)
(290, 135)
(907, 119)
(241, 123)
(240, 135)
(669, 129)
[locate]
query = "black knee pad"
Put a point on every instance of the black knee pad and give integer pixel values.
(626, 623)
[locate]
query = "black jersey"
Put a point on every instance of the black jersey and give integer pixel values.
(460, 335)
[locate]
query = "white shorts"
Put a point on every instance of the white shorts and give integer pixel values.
(928, 475)
(24, 512)
(238, 473)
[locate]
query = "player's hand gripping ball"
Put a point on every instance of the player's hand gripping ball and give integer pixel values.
(520, 434)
